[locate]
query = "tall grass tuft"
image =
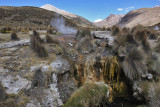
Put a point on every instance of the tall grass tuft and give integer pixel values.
(133, 64)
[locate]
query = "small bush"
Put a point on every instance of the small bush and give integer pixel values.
(51, 31)
(120, 41)
(125, 30)
(140, 34)
(153, 35)
(14, 36)
(81, 34)
(38, 79)
(130, 38)
(146, 45)
(138, 27)
(85, 45)
(116, 31)
(4, 30)
(133, 64)
(104, 28)
(89, 95)
(157, 48)
(49, 39)
(108, 29)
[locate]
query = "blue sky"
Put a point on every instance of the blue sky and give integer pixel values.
(90, 9)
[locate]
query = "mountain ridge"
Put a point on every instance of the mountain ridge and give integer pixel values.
(111, 20)
(79, 19)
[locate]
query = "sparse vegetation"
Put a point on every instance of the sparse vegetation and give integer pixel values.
(89, 95)
(81, 34)
(37, 46)
(50, 30)
(14, 36)
(116, 31)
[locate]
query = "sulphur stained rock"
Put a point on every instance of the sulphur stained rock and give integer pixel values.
(14, 84)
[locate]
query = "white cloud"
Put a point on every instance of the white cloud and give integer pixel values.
(126, 9)
(120, 9)
(98, 20)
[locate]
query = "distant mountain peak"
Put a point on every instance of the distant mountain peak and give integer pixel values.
(111, 20)
(57, 10)
(79, 20)
(157, 6)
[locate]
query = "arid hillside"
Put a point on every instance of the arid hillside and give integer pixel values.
(109, 21)
(143, 16)
(30, 17)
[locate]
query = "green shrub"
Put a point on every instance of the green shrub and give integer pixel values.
(4, 30)
(89, 95)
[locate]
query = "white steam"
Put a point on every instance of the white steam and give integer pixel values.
(59, 23)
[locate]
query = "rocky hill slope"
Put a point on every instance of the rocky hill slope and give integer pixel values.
(143, 16)
(30, 17)
(109, 21)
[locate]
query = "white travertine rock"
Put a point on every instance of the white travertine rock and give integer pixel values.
(14, 84)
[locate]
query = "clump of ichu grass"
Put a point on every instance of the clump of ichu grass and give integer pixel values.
(125, 30)
(145, 45)
(134, 64)
(14, 36)
(116, 31)
(140, 34)
(49, 39)
(36, 44)
(81, 34)
(157, 48)
(39, 79)
(119, 42)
